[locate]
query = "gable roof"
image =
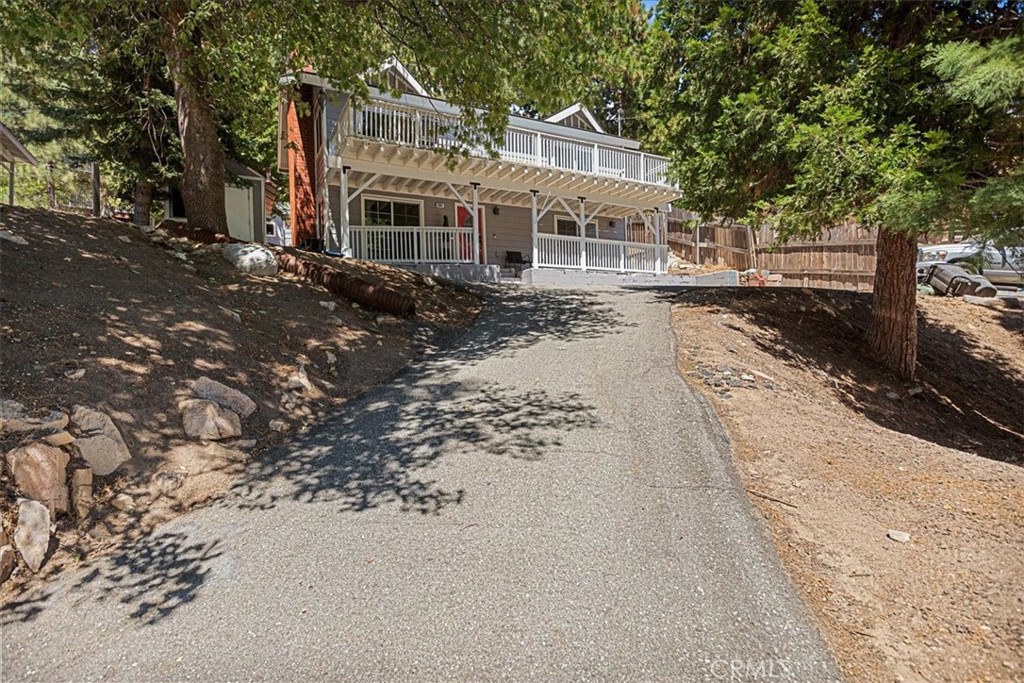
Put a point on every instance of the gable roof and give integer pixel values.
(12, 150)
(576, 110)
(404, 76)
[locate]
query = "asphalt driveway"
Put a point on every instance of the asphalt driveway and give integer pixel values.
(543, 499)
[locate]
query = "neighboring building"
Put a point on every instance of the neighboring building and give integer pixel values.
(245, 200)
(12, 152)
(373, 181)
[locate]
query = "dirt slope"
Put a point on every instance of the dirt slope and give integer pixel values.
(144, 317)
(836, 454)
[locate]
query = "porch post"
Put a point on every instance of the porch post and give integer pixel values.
(10, 184)
(581, 222)
(657, 241)
(534, 259)
(476, 223)
(344, 238)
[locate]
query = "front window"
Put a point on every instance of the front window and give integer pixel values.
(569, 228)
(391, 212)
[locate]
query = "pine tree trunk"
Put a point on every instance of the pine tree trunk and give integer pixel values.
(202, 177)
(892, 337)
(143, 203)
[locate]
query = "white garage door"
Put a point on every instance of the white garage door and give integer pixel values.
(238, 201)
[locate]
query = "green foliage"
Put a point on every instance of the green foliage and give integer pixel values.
(810, 113)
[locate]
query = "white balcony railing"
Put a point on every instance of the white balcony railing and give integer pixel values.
(414, 244)
(560, 251)
(426, 129)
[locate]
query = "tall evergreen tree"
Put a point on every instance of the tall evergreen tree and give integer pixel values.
(805, 114)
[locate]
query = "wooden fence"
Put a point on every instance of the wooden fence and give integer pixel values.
(842, 258)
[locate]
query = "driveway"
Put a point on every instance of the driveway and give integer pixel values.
(542, 499)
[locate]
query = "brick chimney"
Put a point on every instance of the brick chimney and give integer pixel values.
(302, 167)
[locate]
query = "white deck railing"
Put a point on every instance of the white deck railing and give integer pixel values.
(427, 129)
(560, 251)
(416, 244)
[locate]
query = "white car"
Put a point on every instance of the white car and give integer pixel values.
(1002, 267)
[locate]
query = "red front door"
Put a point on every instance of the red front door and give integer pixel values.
(464, 219)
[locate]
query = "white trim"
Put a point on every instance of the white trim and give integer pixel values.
(384, 198)
(577, 108)
(394, 63)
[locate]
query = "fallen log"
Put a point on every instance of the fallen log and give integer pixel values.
(342, 284)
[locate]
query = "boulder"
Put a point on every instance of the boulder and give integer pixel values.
(224, 396)
(40, 471)
(61, 438)
(32, 533)
(123, 502)
(101, 443)
(251, 258)
(204, 419)
(81, 491)
(11, 237)
(300, 380)
(15, 418)
(8, 560)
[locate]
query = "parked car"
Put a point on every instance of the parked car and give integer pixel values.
(1003, 267)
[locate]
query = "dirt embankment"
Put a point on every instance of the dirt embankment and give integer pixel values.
(837, 455)
(100, 314)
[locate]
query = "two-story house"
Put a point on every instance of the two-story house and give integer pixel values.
(372, 180)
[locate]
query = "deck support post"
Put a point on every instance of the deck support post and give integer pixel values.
(581, 221)
(10, 184)
(533, 227)
(476, 222)
(343, 237)
(657, 241)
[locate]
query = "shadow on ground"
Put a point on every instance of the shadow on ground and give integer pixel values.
(972, 398)
(377, 450)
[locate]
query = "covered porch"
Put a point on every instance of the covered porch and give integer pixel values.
(401, 220)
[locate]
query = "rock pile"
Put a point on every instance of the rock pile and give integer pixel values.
(724, 378)
(53, 468)
(217, 412)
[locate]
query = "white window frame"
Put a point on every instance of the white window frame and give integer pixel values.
(569, 219)
(381, 198)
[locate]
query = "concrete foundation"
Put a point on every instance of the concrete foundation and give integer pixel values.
(466, 272)
(579, 278)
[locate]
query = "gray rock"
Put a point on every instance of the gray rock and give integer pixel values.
(224, 396)
(898, 536)
(14, 417)
(329, 305)
(180, 256)
(204, 419)
(331, 358)
(914, 391)
(251, 258)
(231, 314)
(166, 482)
(32, 533)
(123, 502)
(61, 438)
(8, 560)
(279, 425)
(125, 238)
(40, 471)
(11, 237)
(81, 491)
(300, 380)
(101, 443)
(75, 374)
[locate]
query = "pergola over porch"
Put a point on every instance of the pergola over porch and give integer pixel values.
(508, 186)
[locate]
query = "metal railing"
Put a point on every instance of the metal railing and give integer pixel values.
(413, 244)
(561, 251)
(427, 129)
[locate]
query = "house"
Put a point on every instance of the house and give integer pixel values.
(372, 180)
(12, 152)
(245, 201)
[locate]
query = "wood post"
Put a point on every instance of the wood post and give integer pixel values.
(533, 223)
(96, 209)
(476, 222)
(10, 184)
(344, 237)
